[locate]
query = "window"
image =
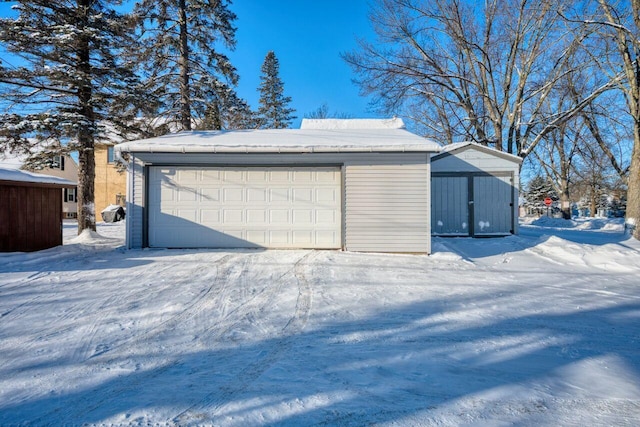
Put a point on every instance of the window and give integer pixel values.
(58, 162)
(69, 195)
(110, 156)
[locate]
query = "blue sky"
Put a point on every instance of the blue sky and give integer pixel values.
(307, 38)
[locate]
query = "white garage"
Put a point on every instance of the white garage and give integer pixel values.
(357, 184)
(271, 207)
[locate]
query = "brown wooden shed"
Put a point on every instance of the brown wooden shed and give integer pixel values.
(30, 210)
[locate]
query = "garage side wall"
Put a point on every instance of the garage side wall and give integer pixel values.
(387, 208)
(135, 204)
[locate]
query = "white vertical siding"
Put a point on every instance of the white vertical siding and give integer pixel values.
(135, 204)
(387, 208)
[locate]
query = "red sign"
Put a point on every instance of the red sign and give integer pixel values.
(548, 201)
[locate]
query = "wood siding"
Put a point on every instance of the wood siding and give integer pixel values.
(30, 218)
(387, 208)
(109, 182)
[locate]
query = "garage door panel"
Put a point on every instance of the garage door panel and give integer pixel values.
(278, 176)
(303, 216)
(232, 177)
(245, 207)
(256, 194)
(329, 195)
(209, 194)
(278, 195)
(257, 216)
(210, 217)
(303, 195)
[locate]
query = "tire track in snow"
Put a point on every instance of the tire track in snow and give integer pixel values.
(206, 409)
(196, 306)
(89, 402)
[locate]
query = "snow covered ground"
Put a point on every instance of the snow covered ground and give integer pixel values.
(537, 329)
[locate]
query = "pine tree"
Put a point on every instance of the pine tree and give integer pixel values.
(65, 81)
(182, 61)
(539, 188)
(273, 112)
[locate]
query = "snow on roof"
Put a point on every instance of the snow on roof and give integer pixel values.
(16, 175)
(12, 161)
(460, 145)
(393, 123)
(285, 141)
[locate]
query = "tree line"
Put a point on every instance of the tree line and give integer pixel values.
(82, 71)
(556, 82)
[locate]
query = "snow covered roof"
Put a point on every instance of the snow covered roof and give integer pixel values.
(458, 146)
(285, 141)
(12, 161)
(393, 123)
(16, 175)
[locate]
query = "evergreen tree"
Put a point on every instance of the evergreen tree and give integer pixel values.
(273, 112)
(181, 60)
(66, 81)
(539, 188)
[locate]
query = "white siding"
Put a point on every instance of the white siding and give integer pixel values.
(387, 208)
(135, 204)
(471, 159)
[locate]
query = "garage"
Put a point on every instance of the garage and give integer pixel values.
(271, 207)
(474, 191)
(354, 184)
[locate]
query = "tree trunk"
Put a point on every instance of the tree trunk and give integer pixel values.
(593, 202)
(633, 192)
(185, 102)
(565, 201)
(86, 157)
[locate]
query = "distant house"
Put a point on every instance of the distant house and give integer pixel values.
(110, 183)
(31, 214)
(62, 167)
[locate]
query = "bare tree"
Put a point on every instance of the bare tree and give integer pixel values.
(481, 75)
(618, 25)
(323, 112)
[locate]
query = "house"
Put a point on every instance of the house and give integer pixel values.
(63, 166)
(31, 214)
(359, 185)
(110, 182)
(474, 191)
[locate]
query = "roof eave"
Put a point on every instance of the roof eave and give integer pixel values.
(125, 148)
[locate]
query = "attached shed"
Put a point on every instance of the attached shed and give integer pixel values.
(31, 214)
(360, 186)
(474, 191)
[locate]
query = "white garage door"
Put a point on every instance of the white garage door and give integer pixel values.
(192, 207)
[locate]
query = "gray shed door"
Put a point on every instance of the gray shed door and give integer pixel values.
(450, 205)
(492, 205)
(471, 205)
(236, 207)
